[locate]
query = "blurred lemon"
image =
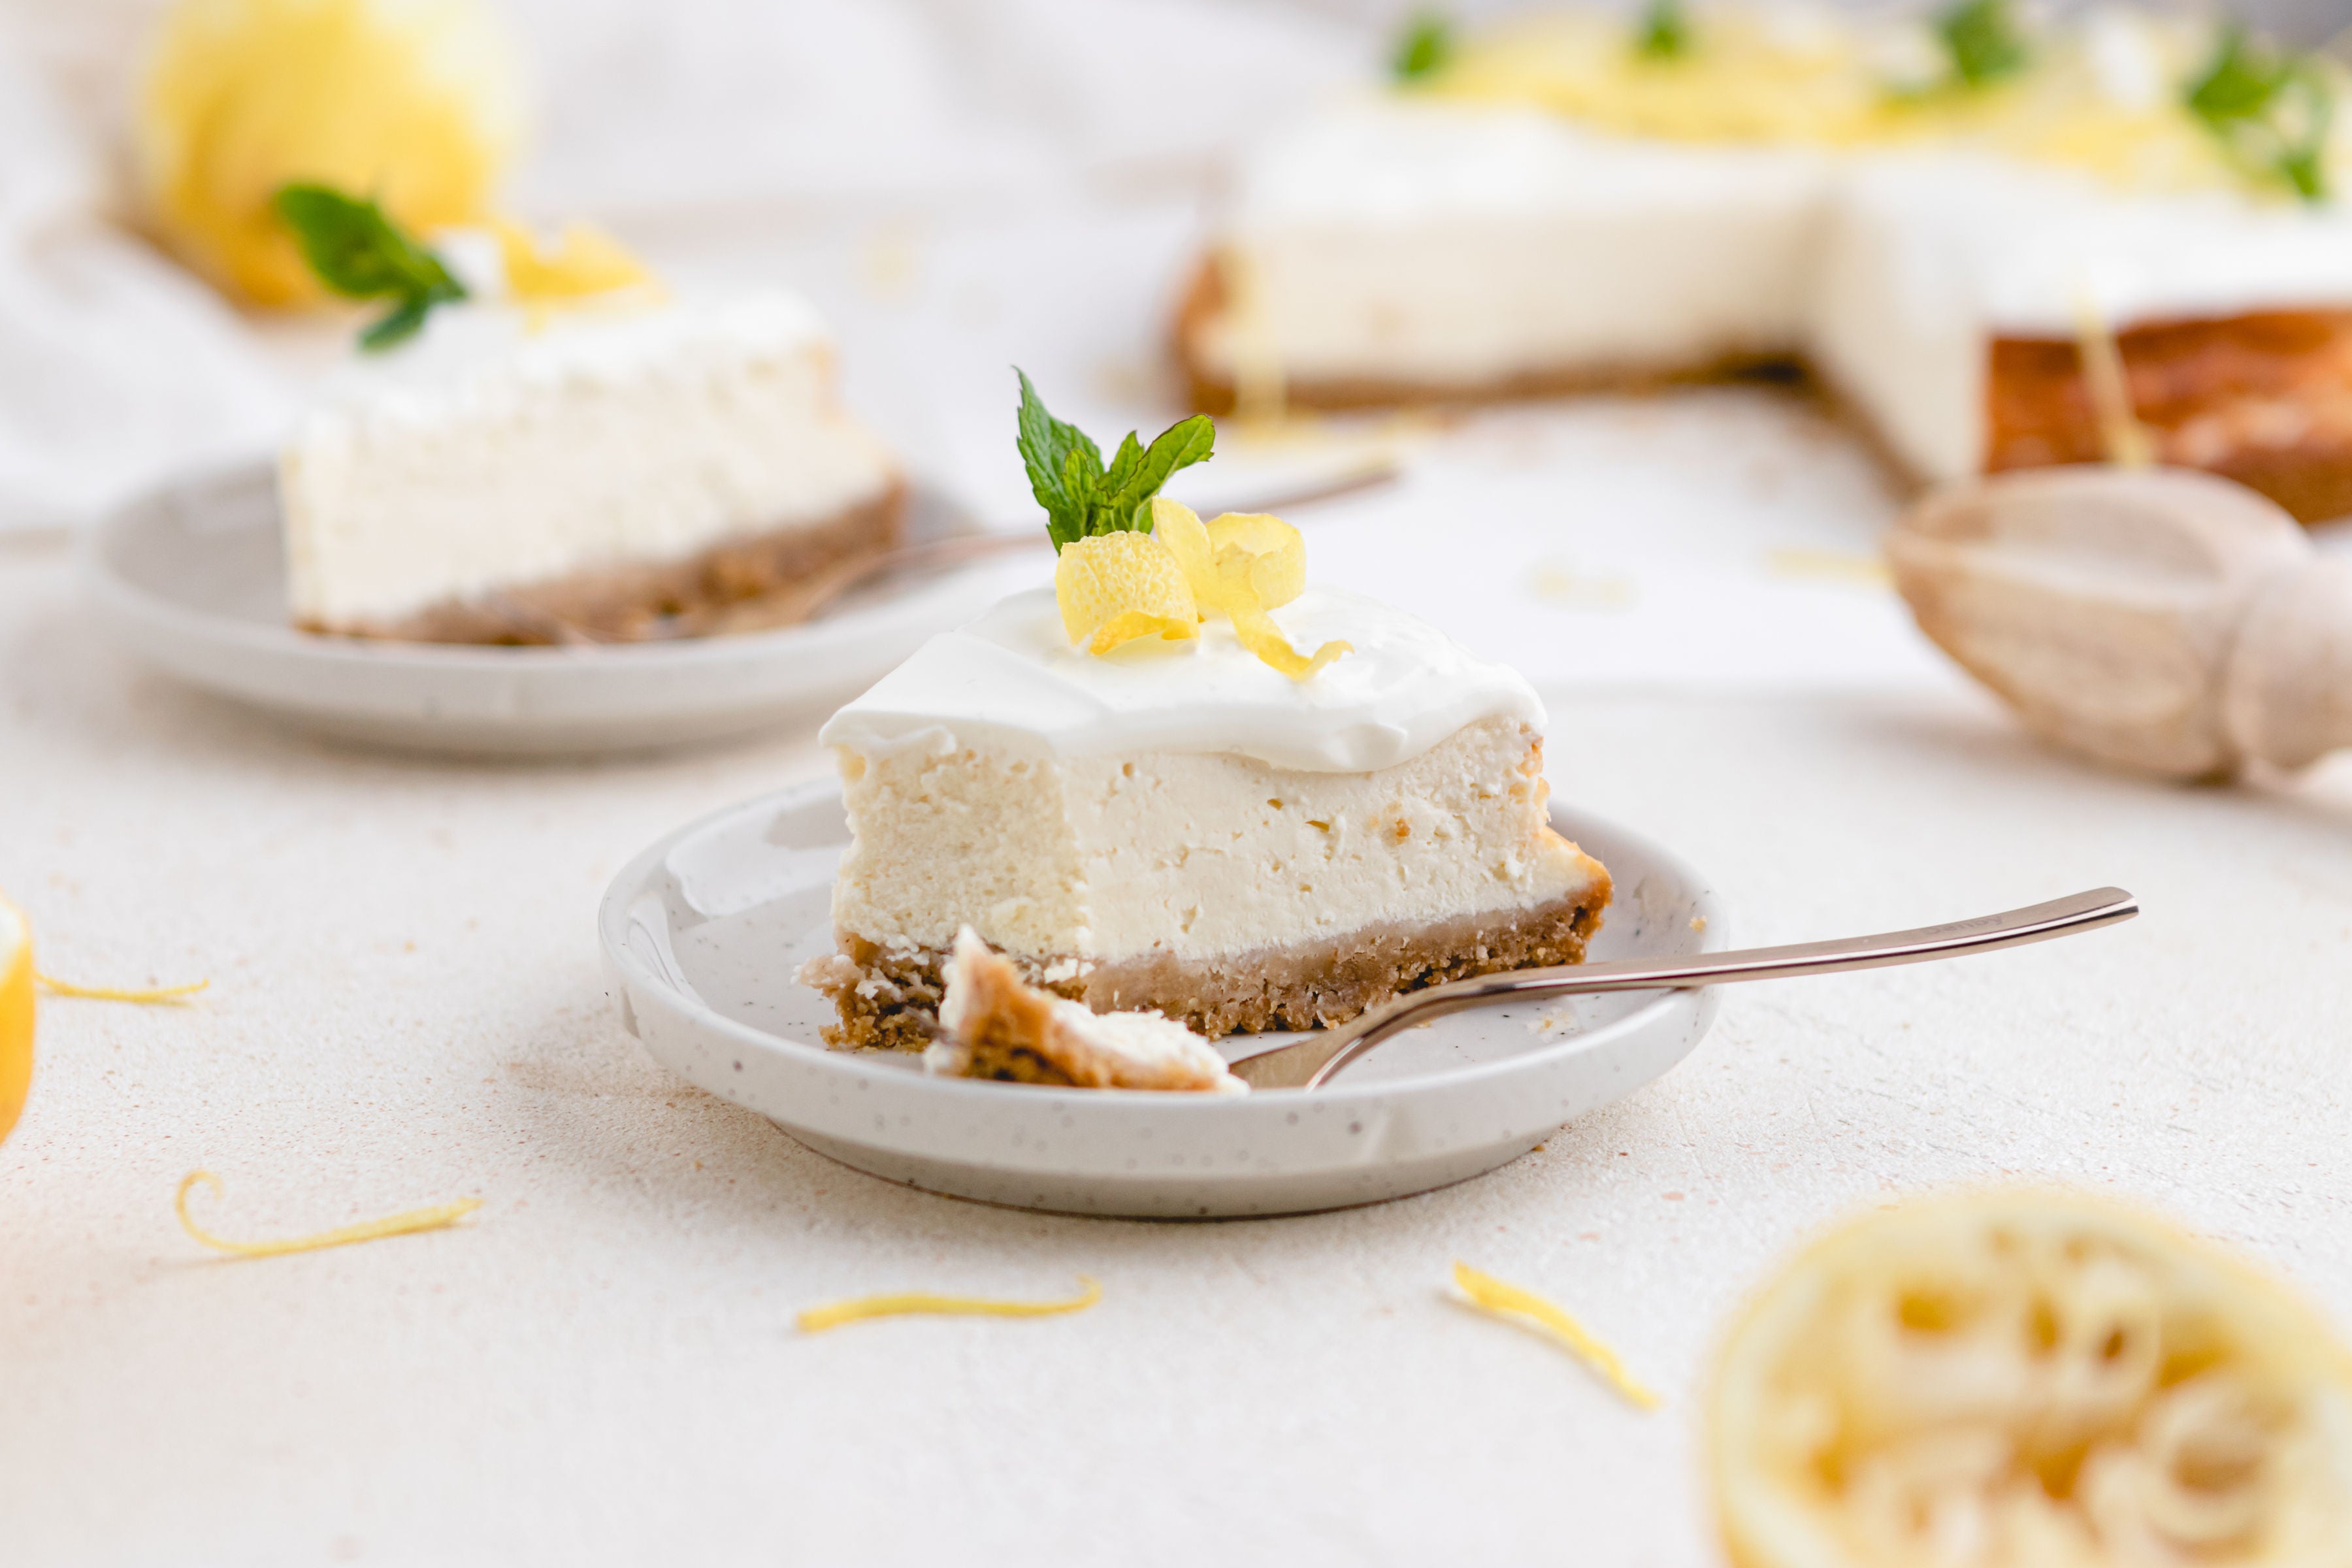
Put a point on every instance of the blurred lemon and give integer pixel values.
(417, 103)
(2030, 1380)
(15, 1014)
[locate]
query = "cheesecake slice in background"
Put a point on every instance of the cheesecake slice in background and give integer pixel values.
(555, 450)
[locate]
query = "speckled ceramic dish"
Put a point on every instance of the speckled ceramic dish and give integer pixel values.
(704, 933)
(192, 579)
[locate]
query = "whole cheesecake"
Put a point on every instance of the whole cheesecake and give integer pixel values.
(1193, 831)
(1556, 207)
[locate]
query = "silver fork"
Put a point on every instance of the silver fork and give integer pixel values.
(1312, 1062)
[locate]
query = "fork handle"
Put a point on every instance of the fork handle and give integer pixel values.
(1313, 1062)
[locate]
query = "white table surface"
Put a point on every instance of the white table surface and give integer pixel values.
(601, 1366)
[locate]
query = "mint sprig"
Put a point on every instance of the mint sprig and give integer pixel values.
(1426, 44)
(1664, 33)
(2271, 109)
(361, 254)
(1082, 497)
(1982, 40)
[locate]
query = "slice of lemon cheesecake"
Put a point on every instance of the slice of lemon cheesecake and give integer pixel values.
(575, 467)
(1139, 790)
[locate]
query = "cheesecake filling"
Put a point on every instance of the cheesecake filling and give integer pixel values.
(499, 452)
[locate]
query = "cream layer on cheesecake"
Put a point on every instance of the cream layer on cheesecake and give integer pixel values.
(1191, 830)
(506, 448)
(1569, 222)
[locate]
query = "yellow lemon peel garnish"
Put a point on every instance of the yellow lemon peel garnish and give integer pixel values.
(15, 1014)
(1244, 564)
(439, 1217)
(1115, 587)
(418, 104)
(150, 996)
(1489, 1294)
(859, 1309)
(583, 260)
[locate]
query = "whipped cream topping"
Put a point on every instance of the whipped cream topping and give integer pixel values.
(472, 359)
(1010, 677)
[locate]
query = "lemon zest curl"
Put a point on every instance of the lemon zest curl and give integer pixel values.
(1491, 1295)
(859, 1309)
(150, 996)
(439, 1217)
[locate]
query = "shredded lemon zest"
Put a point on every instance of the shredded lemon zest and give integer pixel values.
(150, 996)
(2121, 435)
(584, 260)
(859, 1309)
(439, 1217)
(1489, 1294)
(1243, 564)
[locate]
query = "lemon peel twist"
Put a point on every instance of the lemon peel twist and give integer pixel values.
(859, 1309)
(584, 260)
(1491, 1295)
(439, 1217)
(1243, 563)
(1113, 588)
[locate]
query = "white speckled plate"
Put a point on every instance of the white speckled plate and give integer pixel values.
(704, 933)
(192, 579)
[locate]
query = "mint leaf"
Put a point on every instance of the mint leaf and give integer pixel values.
(1983, 40)
(1048, 450)
(2271, 109)
(1082, 498)
(1664, 32)
(1426, 44)
(361, 254)
(1181, 445)
(1124, 466)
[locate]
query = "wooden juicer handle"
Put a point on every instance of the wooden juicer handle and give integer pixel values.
(2159, 619)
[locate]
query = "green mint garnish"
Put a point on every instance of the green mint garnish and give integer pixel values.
(363, 254)
(2270, 108)
(1427, 44)
(1664, 32)
(1983, 42)
(1081, 497)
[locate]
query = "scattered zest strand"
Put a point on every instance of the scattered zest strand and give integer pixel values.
(408, 1223)
(2121, 435)
(1489, 1294)
(860, 1307)
(153, 997)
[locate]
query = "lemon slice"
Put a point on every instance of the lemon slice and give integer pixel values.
(2030, 1380)
(15, 1014)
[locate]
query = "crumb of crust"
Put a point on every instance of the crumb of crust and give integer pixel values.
(999, 1027)
(829, 972)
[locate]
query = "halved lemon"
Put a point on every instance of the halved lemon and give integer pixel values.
(16, 1013)
(2030, 1380)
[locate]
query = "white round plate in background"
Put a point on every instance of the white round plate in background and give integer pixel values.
(191, 578)
(704, 934)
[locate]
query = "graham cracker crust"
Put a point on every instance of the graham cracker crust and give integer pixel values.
(628, 604)
(891, 999)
